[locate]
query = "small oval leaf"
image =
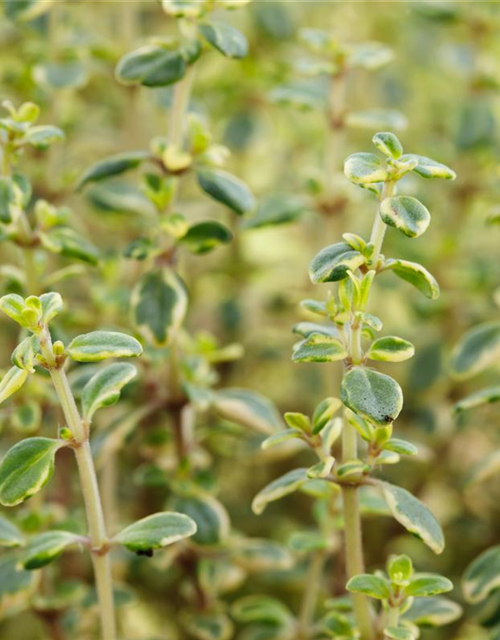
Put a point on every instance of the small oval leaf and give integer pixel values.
(12, 381)
(413, 515)
(372, 586)
(26, 468)
(279, 488)
(159, 304)
(156, 531)
(364, 168)
(103, 389)
(319, 348)
(482, 576)
(46, 547)
(151, 66)
(225, 38)
(332, 263)
(227, 189)
(428, 168)
(100, 345)
(478, 349)
(406, 214)
(373, 395)
(416, 275)
(391, 349)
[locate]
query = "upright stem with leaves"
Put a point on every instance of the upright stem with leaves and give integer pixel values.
(372, 400)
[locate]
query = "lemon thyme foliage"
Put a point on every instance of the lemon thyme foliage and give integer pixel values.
(180, 365)
(34, 226)
(476, 353)
(321, 79)
(369, 401)
(28, 466)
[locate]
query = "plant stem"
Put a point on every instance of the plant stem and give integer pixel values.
(379, 226)
(353, 538)
(393, 617)
(30, 274)
(180, 104)
(89, 488)
(311, 591)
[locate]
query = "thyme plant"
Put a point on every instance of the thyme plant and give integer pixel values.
(370, 401)
(29, 465)
(475, 353)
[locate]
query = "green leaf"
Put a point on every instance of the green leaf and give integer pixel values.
(156, 531)
(225, 38)
(26, 468)
(373, 395)
(60, 75)
(478, 349)
(307, 541)
(406, 214)
(12, 381)
(52, 305)
(209, 626)
(283, 486)
(400, 570)
(103, 389)
(7, 199)
(321, 469)
(485, 396)
(227, 189)
(482, 576)
(204, 236)
(210, 516)
(100, 345)
(429, 168)
(369, 585)
(274, 210)
(319, 348)
(306, 329)
(297, 420)
(401, 446)
(15, 583)
(400, 633)
(364, 168)
(324, 412)
(10, 535)
(259, 554)
(257, 608)
(425, 585)
(388, 143)
(484, 469)
(27, 417)
(338, 626)
(151, 66)
(42, 136)
(23, 356)
(113, 166)
(416, 275)
(159, 304)
(413, 515)
(332, 263)
(391, 349)
(70, 244)
(13, 305)
(433, 612)
(249, 409)
(281, 436)
(46, 547)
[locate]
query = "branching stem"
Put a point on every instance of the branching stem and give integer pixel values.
(89, 488)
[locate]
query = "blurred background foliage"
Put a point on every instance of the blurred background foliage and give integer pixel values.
(288, 132)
